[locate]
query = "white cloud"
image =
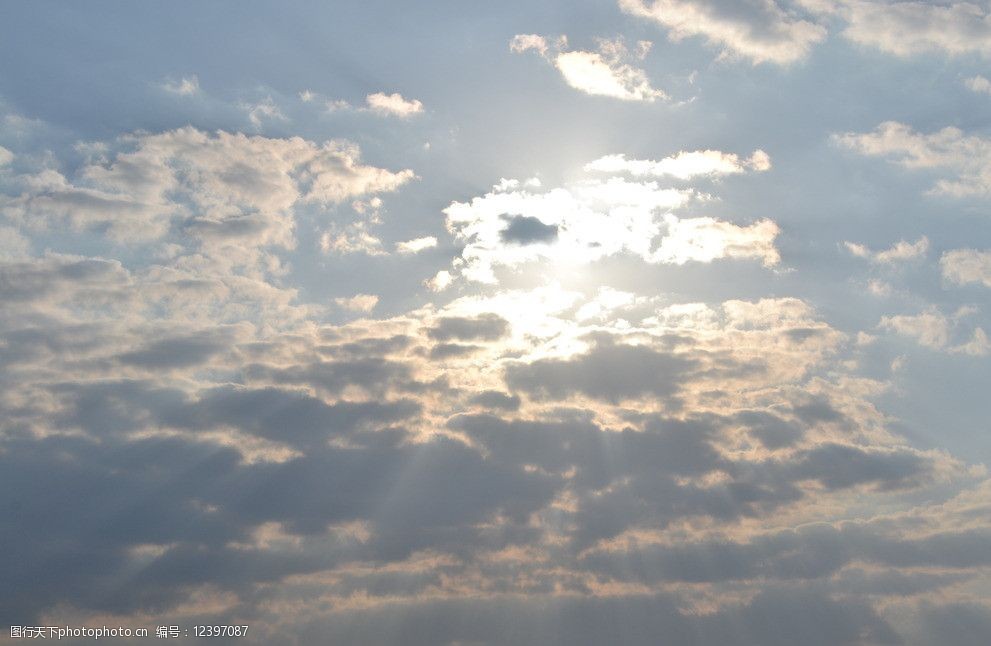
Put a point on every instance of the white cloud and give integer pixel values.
(935, 330)
(215, 187)
(968, 157)
(708, 239)
(441, 281)
(913, 27)
(962, 266)
(930, 328)
(605, 72)
(758, 30)
(591, 219)
(358, 302)
(684, 165)
(784, 31)
(978, 84)
(416, 245)
(354, 238)
(5, 156)
(306, 96)
(900, 251)
(591, 73)
(525, 42)
(393, 104)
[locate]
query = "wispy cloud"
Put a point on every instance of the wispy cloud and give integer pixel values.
(185, 86)
(604, 72)
(901, 251)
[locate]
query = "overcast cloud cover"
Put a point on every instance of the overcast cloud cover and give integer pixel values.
(614, 322)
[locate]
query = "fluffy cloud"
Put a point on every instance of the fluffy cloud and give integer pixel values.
(978, 84)
(962, 266)
(708, 239)
(933, 329)
(784, 31)
(899, 252)
(213, 187)
(762, 31)
(601, 217)
(254, 465)
(393, 104)
(181, 436)
(605, 72)
(913, 27)
(968, 157)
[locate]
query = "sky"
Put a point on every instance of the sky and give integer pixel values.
(617, 322)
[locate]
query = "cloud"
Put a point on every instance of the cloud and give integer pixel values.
(935, 330)
(185, 86)
(416, 245)
(526, 42)
(978, 84)
(611, 372)
(440, 281)
(913, 27)
(487, 327)
(595, 218)
(5, 156)
(355, 238)
(577, 448)
(604, 72)
(263, 110)
(759, 30)
(684, 165)
(967, 157)
(180, 351)
(523, 230)
(930, 328)
(13, 245)
(785, 31)
(977, 346)
(184, 435)
(393, 104)
(899, 252)
(358, 302)
(708, 239)
(220, 187)
(963, 266)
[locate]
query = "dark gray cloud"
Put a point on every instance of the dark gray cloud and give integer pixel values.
(960, 624)
(332, 377)
(776, 617)
(525, 229)
(838, 466)
(609, 371)
(448, 350)
(486, 327)
(179, 351)
(498, 400)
